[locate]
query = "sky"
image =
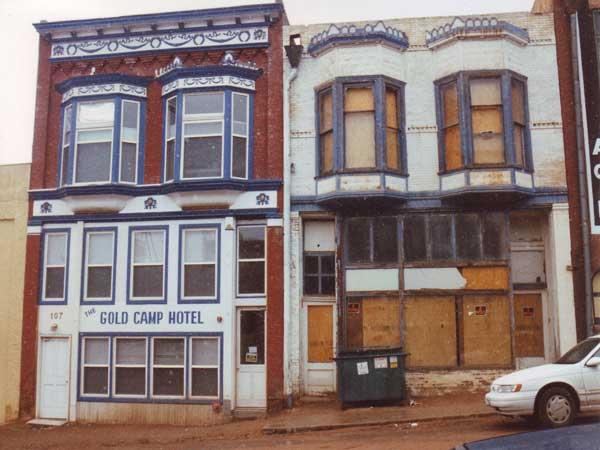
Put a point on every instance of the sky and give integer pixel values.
(19, 68)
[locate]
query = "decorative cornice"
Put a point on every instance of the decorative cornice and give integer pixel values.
(476, 28)
(200, 82)
(242, 36)
(105, 89)
(111, 84)
(352, 35)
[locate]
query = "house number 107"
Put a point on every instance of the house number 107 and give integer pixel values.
(56, 315)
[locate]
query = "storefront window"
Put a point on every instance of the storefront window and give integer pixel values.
(168, 365)
(372, 240)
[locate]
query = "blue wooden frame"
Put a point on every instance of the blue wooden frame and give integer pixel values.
(180, 273)
(42, 289)
(379, 83)
(158, 301)
(86, 231)
(148, 398)
(462, 80)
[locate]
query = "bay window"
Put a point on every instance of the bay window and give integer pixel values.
(483, 121)
(93, 142)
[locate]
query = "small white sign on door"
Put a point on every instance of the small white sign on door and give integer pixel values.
(362, 368)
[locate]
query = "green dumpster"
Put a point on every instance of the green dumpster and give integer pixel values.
(371, 376)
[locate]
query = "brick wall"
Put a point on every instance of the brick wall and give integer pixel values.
(440, 382)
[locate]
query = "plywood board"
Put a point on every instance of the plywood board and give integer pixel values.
(320, 333)
(354, 337)
(529, 325)
(381, 322)
(486, 278)
(486, 331)
(430, 333)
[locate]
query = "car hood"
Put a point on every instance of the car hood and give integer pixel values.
(539, 372)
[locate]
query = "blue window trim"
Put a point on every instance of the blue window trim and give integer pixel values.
(44, 233)
(116, 143)
(110, 398)
(86, 231)
(227, 135)
(180, 274)
(154, 301)
(379, 83)
(464, 105)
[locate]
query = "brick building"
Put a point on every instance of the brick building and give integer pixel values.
(154, 245)
(429, 205)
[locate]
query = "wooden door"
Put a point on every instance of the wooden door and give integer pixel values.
(320, 334)
(529, 326)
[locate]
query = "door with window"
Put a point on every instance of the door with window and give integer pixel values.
(251, 379)
(54, 379)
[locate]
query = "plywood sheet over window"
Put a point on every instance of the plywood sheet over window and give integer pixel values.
(529, 326)
(485, 278)
(372, 322)
(430, 333)
(486, 331)
(320, 333)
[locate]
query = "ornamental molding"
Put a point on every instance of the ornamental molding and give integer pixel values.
(353, 35)
(216, 81)
(475, 28)
(173, 40)
(105, 89)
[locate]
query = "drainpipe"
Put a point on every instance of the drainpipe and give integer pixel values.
(294, 54)
(583, 149)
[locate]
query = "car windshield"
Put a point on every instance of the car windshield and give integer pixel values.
(578, 352)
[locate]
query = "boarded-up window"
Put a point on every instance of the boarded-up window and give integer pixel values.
(326, 132)
(451, 126)
(468, 236)
(359, 127)
(486, 331)
(518, 115)
(486, 121)
(320, 333)
(372, 323)
(430, 336)
(485, 278)
(392, 136)
(415, 238)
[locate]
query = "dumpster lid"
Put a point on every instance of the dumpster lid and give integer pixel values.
(370, 353)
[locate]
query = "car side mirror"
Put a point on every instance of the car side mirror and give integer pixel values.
(594, 361)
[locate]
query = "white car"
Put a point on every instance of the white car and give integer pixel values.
(552, 393)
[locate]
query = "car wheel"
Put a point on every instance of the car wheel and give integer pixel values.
(556, 408)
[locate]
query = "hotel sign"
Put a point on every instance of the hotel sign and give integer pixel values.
(593, 163)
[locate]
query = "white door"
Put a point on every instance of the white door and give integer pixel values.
(54, 379)
(251, 376)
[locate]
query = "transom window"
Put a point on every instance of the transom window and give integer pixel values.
(360, 126)
(483, 121)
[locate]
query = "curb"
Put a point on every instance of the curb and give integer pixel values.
(337, 426)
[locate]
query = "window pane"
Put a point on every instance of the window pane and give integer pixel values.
(238, 168)
(518, 102)
(92, 114)
(391, 149)
(359, 240)
(202, 157)
(487, 120)
(199, 281)
(328, 285)
(95, 380)
(468, 236)
(200, 246)
(203, 128)
(99, 282)
(311, 285)
(328, 264)
(56, 249)
(171, 118)
(96, 351)
(130, 381)
(93, 162)
(131, 351)
(149, 246)
(240, 128)
(128, 162)
(485, 91)
(251, 277)
(252, 337)
(205, 382)
(67, 124)
(441, 237)
(450, 102)
(452, 148)
(148, 281)
(168, 382)
(240, 108)
(326, 112)
(415, 242)
(519, 139)
(94, 136)
(488, 149)
(391, 99)
(358, 99)
(360, 140)
(130, 115)
(205, 352)
(100, 248)
(55, 282)
(494, 235)
(169, 352)
(385, 237)
(326, 143)
(170, 157)
(205, 103)
(65, 165)
(251, 242)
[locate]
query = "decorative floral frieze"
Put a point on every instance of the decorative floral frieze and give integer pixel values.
(198, 82)
(351, 34)
(105, 89)
(118, 45)
(476, 28)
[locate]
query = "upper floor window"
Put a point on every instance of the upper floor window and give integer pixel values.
(147, 269)
(483, 121)
(360, 126)
(55, 270)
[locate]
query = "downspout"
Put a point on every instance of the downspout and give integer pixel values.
(583, 150)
